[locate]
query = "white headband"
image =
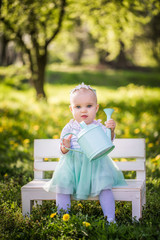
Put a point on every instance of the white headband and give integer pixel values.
(80, 86)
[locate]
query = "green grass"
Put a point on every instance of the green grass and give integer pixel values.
(135, 98)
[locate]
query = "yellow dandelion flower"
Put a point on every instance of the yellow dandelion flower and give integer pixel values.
(1, 129)
(26, 141)
(46, 159)
(86, 224)
(116, 160)
(36, 127)
(55, 136)
(66, 217)
(137, 130)
(53, 215)
(117, 110)
(150, 145)
(6, 175)
(123, 159)
(80, 205)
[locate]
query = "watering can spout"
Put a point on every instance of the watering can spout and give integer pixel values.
(108, 112)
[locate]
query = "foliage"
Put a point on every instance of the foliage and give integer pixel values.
(33, 25)
(108, 26)
(137, 108)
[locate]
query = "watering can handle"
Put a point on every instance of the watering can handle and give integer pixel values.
(67, 147)
(108, 112)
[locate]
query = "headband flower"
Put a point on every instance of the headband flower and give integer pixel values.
(80, 86)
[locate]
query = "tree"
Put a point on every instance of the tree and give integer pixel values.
(33, 25)
(114, 25)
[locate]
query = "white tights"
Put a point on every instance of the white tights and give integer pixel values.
(63, 201)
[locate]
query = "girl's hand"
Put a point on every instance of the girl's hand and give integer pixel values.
(66, 143)
(112, 125)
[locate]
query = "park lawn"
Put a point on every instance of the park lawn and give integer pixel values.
(135, 98)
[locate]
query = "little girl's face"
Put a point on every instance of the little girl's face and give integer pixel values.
(84, 105)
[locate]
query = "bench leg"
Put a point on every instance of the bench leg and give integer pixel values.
(137, 207)
(26, 207)
(26, 204)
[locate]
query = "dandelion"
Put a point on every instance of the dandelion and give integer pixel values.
(55, 137)
(66, 217)
(116, 160)
(5, 175)
(117, 110)
(1, 129)
(123, 159)
(136, 131)
(150, 145)
(26, 141)
(46, 159)
(53, 215)
(36, 127)
(80, 205)
(86, 224)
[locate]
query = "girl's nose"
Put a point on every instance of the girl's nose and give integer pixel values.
(83, 109)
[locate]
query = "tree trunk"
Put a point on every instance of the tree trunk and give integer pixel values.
(38, 77)
(80, 51)
(3, 50)
(121, 60)
(102, 55)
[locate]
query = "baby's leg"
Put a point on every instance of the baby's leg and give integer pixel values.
(108, 204)
(63, 201)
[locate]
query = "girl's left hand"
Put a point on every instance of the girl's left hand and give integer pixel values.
(110, 124)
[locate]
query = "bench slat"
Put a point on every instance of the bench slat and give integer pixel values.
(45, 166)
(124, 166)
(46, 148)
(38, 184)
(129, 148)
(131, 166)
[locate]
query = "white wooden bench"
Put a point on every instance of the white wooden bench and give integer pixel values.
(135, 191)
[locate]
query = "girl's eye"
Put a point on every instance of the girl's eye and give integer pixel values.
(78, 107)
(89, 106)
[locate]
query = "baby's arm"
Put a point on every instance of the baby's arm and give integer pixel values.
(66, 143)
(111, 124)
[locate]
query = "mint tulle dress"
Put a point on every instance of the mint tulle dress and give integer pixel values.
(75, 174)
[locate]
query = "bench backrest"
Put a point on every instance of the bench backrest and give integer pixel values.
(124, 148)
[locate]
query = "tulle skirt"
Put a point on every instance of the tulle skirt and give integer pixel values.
(75, 174)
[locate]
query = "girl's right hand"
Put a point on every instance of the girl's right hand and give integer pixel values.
(67, 143)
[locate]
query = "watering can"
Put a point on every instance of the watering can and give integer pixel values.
(93, 141)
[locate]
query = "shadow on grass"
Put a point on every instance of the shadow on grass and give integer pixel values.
(111, 79)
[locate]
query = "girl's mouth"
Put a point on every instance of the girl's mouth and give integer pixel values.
(84, 116)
